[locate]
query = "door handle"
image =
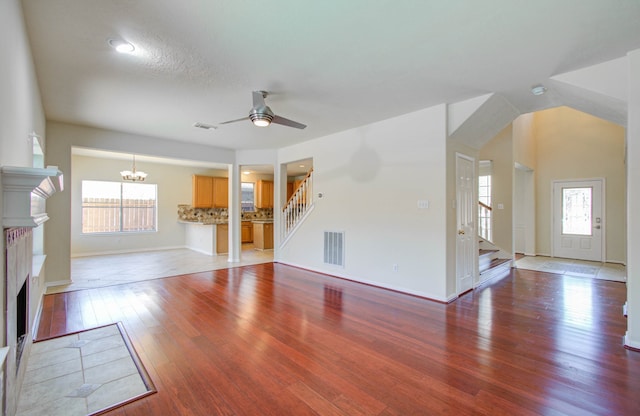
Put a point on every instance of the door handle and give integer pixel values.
(597, 227)
(460, 232)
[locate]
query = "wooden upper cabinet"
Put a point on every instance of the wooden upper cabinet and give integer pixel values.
(209, 192)
(264, 194)
(202, 191)
(220, 192)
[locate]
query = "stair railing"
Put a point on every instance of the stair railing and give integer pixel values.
(484, 221)
(298, 205)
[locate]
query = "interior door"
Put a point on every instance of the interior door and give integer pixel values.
(578, 222)
(466, 210)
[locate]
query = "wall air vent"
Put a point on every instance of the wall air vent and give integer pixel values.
(334, 248)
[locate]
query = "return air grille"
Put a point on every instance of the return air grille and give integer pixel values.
(334, 248)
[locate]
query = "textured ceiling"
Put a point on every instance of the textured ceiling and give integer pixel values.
(332, 65)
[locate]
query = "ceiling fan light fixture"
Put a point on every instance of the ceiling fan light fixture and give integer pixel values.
(261, 119)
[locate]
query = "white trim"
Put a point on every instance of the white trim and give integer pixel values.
(474, 197)
(58, 283)
(628, 342)
(406, 291)
(37, 264)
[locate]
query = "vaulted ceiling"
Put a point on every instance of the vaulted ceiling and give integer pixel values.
(331, 65)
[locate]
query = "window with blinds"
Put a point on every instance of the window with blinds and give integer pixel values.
(118, 207)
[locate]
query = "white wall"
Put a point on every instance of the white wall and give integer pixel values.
(372, 178)
(174, 188)
(632, 338)
(21, 113)
(21, 110)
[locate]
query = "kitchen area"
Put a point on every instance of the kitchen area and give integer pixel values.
(206, 218)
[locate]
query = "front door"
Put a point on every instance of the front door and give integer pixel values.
(466, 210)
(578, 223)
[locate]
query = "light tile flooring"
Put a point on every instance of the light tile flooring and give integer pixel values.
(79, 374)
(578, 268)
(108, 270)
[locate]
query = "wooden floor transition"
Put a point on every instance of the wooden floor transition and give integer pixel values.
(275, 340)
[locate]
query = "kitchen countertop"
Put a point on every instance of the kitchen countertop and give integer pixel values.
(225, 221)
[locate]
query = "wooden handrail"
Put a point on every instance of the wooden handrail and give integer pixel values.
(294, 191)
(485, 206)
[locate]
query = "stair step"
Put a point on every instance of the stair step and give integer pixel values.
(495, 263)
(484, 251)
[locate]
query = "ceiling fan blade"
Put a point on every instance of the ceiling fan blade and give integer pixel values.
(258, 98)
(287, 122)
(236, 120)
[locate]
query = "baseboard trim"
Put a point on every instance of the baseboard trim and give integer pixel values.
(630, 344)
(370, 283)
(58, 283)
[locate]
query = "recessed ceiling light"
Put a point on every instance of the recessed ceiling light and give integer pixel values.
(247, 172)
(122, 46)
(538, 89)
(300, 166)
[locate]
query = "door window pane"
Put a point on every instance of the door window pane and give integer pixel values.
(576, 211)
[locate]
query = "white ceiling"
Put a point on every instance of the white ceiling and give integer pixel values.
(332, 65)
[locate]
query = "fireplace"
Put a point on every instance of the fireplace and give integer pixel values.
(22, 208)
(22, 319)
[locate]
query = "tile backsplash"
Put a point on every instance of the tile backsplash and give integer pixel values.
(218, 215)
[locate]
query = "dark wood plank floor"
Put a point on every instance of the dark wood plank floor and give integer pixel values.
(275, 340)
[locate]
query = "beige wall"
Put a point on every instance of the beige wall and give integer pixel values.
(174, 188)
(500, 150)
(574, 145)
(524, 143)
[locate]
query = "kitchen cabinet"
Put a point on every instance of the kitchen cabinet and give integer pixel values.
(220, 192)
(209, 192)
(263, 235)
(289, 190)
(247, 232)
(222, 238)
(264, 194)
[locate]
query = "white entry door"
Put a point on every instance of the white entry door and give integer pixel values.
(578, 221)
(466, 211)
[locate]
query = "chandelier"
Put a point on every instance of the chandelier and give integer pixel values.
(133, 175)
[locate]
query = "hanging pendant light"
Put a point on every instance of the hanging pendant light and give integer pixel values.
(133, 175)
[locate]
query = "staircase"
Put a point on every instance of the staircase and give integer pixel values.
(297, 208)
(492, 262)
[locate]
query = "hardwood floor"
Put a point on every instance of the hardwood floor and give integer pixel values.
(274, 340)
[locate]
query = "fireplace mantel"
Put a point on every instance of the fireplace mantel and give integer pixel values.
(24, 191)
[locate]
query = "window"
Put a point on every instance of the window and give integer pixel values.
(484, 199)
(118, 207)
(576, 211)
(247, 200)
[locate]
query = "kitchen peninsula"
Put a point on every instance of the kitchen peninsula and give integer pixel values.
(207, 229)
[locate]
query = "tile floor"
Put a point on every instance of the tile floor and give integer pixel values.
(79, 374)
(605, 271)
(108, 270)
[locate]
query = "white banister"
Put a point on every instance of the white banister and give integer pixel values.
(297, 207)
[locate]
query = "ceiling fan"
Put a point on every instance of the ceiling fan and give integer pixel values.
(262, 116)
